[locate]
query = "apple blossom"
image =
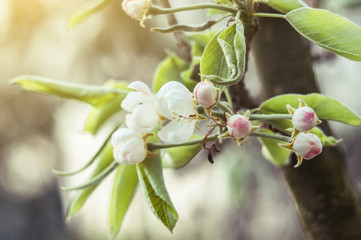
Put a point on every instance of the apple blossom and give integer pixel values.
(238, 126)
(307, 145)
(173, 102)
(136, 9)
(206, 94)
(304, 119)
(129, 147)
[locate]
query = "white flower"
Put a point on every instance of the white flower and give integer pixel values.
(173, 101)
(206, 94)
(129, 147)
(304, 119)
(238, 126)
(307, 145)
(135, 9)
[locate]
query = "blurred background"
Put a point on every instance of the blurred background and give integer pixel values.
(235, 198)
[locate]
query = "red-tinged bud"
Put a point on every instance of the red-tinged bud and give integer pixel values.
(304, 119)
(238, 126)
(307, 145)
(206, 94)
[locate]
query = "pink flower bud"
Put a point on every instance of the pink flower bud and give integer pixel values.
(307, 145)
(238, 126)
(135, 9)
(206, 94)
(304, 119)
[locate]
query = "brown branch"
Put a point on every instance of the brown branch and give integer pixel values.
(183, 46)
(325, 198)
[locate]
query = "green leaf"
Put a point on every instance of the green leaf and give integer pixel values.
(285, 6)
(97, 116)
(151, 179)
(331, 31)
(223, 59)
(168, 70)
(105, 159)
(94, 95)
(178, 157)
(199, 41)
(274, 153)
(87, 11)
(124, 188)
(325, 107)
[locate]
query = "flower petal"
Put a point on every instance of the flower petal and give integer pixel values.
(143, 119)
(122, 134)
(141, 87)
(181, 102)
(177, 131)
(133, 100)
(170, 86)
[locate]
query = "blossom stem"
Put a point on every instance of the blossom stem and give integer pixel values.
(156, 146)
(272, 15)
(94, 180)
(228, 97)
(155, 10)
(270, 116)
(224, 107)
(270, 135)
(187, 28)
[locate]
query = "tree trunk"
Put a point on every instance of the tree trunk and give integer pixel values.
(324, 196)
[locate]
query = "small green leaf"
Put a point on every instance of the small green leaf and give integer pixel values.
(178, 157)
(124, 187)
(285, 6)
(150, 175)
(274, 153)
(325, 107)
(168, 70)
(87, 11)
(94, 95)
(331, 31)
(105, 159)
(223, 59)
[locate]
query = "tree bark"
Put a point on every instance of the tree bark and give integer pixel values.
(326, 200)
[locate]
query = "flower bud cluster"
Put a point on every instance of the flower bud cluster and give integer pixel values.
(305, 145)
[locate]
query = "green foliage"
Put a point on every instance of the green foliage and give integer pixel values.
(105, 159)
(151, 179)
(223, 59)
(124, 187)
(325, 107)
(94, 95)
(331, 31)
(97, 116)
(87, 11)
(285, 6)
(325, 140)
(178, 157)
(168, 70)
(274, 153)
